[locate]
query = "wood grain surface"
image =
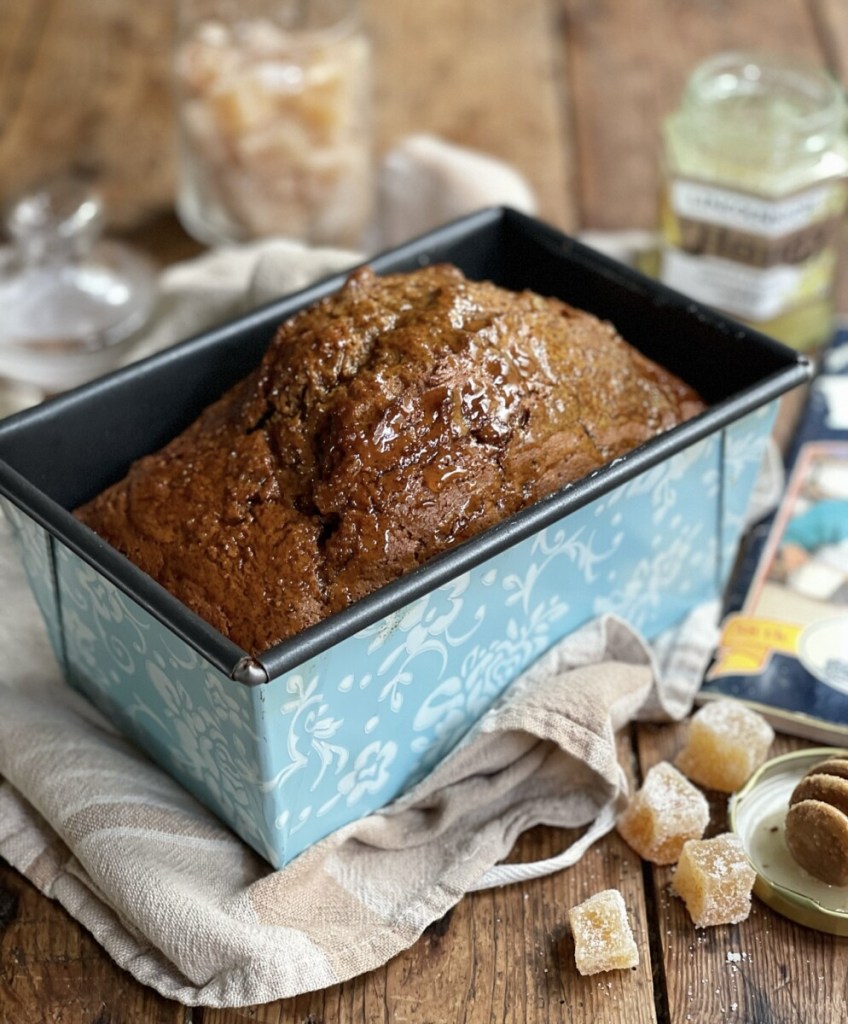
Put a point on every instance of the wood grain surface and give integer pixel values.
(572, 93)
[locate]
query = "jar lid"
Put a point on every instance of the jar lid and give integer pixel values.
(755, 103)
(757, 814)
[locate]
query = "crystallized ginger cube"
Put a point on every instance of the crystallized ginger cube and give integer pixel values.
(714, 879)
(726, 742)
(663, 814)
(603, 940)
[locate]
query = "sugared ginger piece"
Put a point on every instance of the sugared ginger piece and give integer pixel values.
(714, 879)
(663, 814)
(603, 940)
(725, 743)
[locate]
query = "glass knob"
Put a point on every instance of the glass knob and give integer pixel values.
(71, 300)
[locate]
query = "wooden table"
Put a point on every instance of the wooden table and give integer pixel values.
(571, 92)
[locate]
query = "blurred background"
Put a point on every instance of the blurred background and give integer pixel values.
(570, 92)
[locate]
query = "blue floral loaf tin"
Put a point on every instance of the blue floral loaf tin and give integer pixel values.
(339, 720)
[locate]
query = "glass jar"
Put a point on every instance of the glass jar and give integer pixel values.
(274, 119)
(754, 188)
(72, 301)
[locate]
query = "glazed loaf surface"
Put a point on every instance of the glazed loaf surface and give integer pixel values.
(385, 424)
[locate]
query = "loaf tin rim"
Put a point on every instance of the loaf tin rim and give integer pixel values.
(230, 658)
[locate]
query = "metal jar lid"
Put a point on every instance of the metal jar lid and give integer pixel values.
(757, 814)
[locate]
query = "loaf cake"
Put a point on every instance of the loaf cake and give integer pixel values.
(385, 424)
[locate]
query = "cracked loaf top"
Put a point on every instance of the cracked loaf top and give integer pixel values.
(386, 423)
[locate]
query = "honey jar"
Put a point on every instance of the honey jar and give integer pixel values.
(753, 193)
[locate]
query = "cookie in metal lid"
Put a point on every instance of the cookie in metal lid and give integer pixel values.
(817, 821)
(758, 814)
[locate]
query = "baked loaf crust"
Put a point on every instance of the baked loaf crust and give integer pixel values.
(385, 424)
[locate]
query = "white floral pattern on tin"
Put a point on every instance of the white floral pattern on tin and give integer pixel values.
(310, 730)
(370, 772)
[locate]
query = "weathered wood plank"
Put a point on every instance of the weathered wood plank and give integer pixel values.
(94, 96)
(52, 970)
(483, 74)
(20, 30)
(831, 20)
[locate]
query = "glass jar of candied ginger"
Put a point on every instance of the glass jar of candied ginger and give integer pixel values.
(274, 120)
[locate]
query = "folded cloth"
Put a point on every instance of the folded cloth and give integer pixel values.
(447, 181)
(224, 283)
(186, 907)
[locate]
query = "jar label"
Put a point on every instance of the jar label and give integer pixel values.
(752, 214)
(749, 255)
(751, 293)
